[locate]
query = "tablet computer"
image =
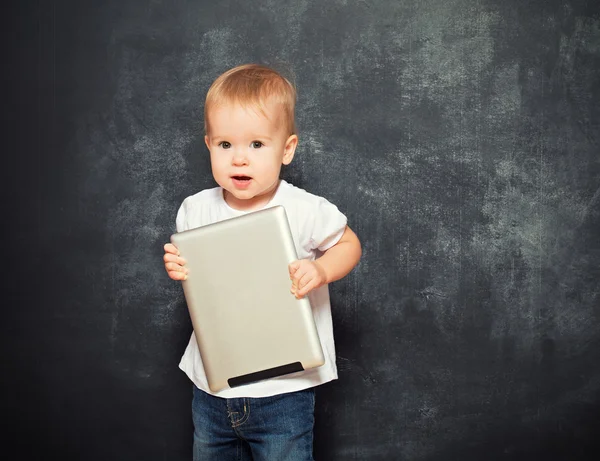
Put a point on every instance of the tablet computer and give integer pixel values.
(248, 325)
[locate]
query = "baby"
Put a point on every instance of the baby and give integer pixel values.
(250, 133)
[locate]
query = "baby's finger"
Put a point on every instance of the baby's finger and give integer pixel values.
(174, 267)
(305, 278)
(170, 248)
(300, 272)
(306, 289)
(176, 275)
(171, 258)
(293, 267)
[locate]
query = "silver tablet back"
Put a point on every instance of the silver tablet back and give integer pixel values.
(248, 324)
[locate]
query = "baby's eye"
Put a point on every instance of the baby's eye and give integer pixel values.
(256, 144)
(225, 144)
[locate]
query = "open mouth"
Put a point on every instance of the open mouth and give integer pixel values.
(241, 182)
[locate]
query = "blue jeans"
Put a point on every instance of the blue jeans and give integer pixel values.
(278, 428)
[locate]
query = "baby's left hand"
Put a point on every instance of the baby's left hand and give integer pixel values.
(306, 276)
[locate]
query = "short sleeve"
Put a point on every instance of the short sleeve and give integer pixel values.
(181, 220)
(329, 225)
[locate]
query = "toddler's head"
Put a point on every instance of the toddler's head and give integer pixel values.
(250, 133)
(253, 86)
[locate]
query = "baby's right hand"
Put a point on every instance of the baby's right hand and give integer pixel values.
(174, 263)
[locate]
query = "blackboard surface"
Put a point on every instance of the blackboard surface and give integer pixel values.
(460, 137)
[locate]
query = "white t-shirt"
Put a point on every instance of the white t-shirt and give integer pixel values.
(316, 226)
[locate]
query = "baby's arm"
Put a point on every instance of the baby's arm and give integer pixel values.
(333, 265)
(174, 264)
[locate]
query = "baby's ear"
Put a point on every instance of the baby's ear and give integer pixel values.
(207, 142)
(289, 149)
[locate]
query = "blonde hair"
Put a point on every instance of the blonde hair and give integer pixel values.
(253, 85)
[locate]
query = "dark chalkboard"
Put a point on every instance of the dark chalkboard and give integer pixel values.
(460, 137)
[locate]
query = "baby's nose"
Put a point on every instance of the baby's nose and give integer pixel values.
(240, 157)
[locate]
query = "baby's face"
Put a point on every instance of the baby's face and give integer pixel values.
(247, 150)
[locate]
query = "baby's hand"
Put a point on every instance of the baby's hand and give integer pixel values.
(306, 276)
(174, 263)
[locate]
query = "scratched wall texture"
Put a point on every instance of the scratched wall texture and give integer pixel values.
(461, 138)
